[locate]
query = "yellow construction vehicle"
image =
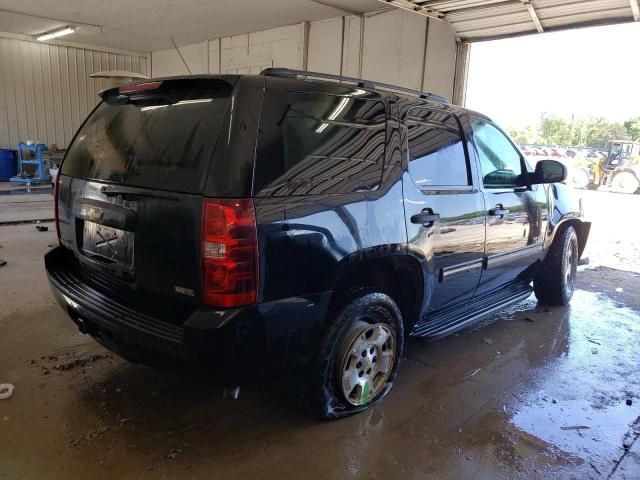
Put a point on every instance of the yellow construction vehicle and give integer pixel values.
(618, 168)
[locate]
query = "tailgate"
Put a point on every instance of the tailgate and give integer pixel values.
(130, 192)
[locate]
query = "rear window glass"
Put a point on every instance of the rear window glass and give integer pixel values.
(162, 139)
(318, 144)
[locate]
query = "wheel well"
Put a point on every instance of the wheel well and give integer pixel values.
(582, 231)
(398, 276)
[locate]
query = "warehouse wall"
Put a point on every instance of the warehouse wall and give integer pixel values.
(396, 47)
(45, 89)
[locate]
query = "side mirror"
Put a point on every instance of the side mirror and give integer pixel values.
(549, 171)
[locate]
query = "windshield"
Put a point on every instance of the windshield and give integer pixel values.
(161, 139)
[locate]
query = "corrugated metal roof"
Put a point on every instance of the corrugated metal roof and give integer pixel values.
(480, 20)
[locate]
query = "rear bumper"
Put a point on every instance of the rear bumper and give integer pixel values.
(230, 344)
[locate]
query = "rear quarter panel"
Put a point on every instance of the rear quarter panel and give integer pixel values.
(306, 241)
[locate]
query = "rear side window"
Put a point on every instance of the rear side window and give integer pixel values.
(319, 144)
(161, 139)
(436, 149)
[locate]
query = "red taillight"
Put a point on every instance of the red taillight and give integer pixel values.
(229, 252)
(139, 87)
(56, 195)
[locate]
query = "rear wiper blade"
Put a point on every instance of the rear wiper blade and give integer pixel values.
(112, 191)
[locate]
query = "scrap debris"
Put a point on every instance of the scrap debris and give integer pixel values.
(71, 364)
(471, 374)
(575, 427)
(42, 228)
(80, 362)
(6, 390)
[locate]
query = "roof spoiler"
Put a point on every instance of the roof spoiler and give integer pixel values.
(158, 83)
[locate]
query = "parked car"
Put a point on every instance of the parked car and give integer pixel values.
(528, 151)
(283, 222)
(555, 153)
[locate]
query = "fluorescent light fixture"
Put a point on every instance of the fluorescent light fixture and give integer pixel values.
(55, 34)
(197, 100)
(334, 114)
(339, 108)
(153, 107)
(181, 102)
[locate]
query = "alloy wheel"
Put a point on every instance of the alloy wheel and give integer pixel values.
(367, 358)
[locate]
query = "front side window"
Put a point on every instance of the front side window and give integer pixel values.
(319, 144)
(500, 162)
(436, 149)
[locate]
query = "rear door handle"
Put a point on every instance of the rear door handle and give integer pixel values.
(426, 218)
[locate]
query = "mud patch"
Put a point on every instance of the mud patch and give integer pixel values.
(623, 287)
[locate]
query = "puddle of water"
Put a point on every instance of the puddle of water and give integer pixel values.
(587, 385)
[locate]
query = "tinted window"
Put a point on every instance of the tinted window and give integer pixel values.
(500, 162)
(436, 149)
(162, 139)
(318, 144)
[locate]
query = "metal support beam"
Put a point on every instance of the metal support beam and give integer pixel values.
(635, 9)
(412, 7)
(461, 75)
(346, 10)
(534, 16)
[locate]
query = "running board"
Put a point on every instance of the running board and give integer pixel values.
(447, 321)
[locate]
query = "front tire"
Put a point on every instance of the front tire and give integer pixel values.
(555, 283)
(625, 182)
(358, 358)
(579, 178)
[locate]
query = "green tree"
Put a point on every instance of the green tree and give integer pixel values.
(599, 131)
(554, 130)
(522, 135)
(633, 128)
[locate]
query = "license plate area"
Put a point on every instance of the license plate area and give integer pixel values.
(108, 245)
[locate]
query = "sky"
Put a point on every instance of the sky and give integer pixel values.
(590, 71)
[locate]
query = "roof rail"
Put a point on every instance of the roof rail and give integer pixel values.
(287, 72)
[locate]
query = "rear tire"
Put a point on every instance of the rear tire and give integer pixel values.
(358, 358)
(625, 182)
(555, 283)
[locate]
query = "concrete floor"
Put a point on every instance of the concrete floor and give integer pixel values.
(19, 203)
(499, 400)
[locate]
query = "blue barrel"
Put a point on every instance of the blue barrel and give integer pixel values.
(8, 164)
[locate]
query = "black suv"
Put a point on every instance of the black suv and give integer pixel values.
(245, 225)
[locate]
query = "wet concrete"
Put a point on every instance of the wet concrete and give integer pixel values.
(531, 393)
(22, 204)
